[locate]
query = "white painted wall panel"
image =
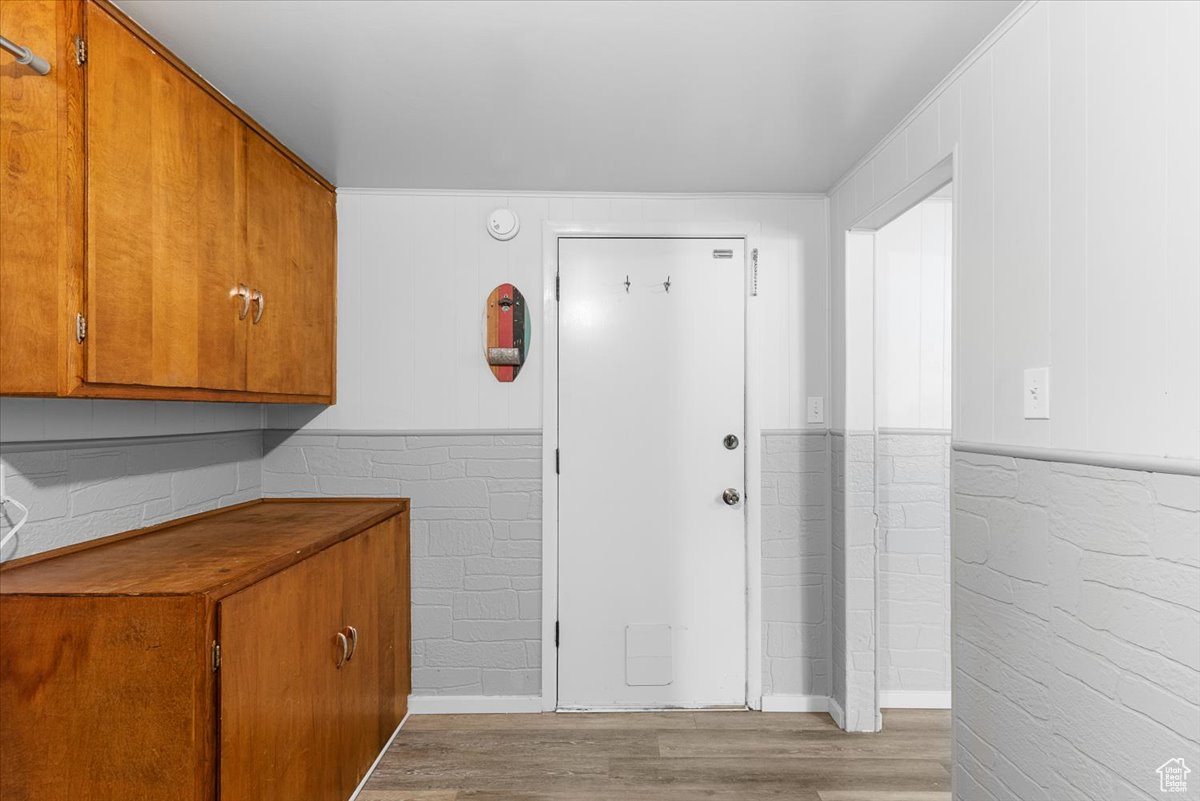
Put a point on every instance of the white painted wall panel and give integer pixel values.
(1126, 168)
(1068, 234)
(1078, 187)
(415, 269)
(1182, 261)
(912, 312)
(973, 275)
(1021, 239)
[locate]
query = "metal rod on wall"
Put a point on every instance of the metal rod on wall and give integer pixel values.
(25, 56)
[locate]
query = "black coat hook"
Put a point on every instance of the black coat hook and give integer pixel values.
(627, 285)
(667, 284)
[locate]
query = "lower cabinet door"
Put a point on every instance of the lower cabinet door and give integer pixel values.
(281, 685)
(373, 692)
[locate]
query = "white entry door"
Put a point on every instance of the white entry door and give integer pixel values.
(652, 550)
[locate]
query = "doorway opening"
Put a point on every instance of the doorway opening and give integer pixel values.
(648, 580)
(912, 454)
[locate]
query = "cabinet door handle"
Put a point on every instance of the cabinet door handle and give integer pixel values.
(344, 656)
(352, 633)
(261, 302)
(242, 291)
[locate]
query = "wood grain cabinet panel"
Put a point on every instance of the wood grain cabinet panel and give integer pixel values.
(112, 687)
(37, 191)
(291, 244)
(137, 197)
(166, 209)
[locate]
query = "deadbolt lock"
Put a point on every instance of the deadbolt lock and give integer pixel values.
(731, 441)
(731, 497)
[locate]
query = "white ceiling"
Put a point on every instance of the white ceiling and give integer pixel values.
(604, 95)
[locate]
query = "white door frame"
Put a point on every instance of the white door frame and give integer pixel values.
(866, 225)
(551, 233)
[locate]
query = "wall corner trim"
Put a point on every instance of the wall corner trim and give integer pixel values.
(473, 704)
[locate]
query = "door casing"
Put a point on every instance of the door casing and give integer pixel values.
(551, 233)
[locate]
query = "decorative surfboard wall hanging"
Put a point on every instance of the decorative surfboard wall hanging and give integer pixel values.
(506, 332)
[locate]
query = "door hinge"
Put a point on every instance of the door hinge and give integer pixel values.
(80, 328)
(216, 656)
(556, 462)
(557, 286)
(80, 51)
(556, 634)
(754, 272)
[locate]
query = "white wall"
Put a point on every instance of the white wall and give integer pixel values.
(415, 269)
(1078, 187)
(912, 318)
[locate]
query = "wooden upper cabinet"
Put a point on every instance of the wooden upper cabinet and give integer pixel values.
(138, 199)
(166, 214)
(38, 199)
(291, 254)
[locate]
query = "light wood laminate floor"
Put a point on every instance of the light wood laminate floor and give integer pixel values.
(667, 756)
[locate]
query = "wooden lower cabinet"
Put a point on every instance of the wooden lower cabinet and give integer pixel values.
(249, 654)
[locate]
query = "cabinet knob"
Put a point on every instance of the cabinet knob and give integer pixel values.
(352, 633)
(260, 302)
(344, 655)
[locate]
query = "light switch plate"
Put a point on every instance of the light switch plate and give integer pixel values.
(1037, 393)
(816, 409)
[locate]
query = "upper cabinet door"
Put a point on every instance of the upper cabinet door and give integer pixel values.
(166, 221)
(291, 250)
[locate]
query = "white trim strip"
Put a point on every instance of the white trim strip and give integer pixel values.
(914, 699)
(794, 432)
(473, 704)
(500, 193)
(914, 432)
(24, 446)
(1120, 461)
(400, 432)
(997, 33)
(379, 758)
(795, 703)
(836, 712)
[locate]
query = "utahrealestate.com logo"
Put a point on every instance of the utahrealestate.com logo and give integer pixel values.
(1172, 776)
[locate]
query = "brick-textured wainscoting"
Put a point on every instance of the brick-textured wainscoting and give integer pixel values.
(1077, 629)
(477, 550)
(912, 476)
(80, 491)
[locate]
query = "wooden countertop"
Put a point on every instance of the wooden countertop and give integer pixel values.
(213, 552)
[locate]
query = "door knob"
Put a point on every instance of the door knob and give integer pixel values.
(731, 497)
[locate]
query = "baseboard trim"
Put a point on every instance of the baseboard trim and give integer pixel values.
(837, 713)
(914, 699)
(379, 758)
(795, 703)
(473, 704)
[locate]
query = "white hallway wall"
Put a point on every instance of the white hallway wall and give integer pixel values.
(1078, 191)
(912, 318)
(415, 269)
